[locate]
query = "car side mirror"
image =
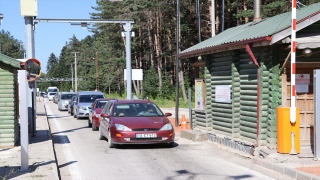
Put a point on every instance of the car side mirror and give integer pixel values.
(167, 114)
(104, 115)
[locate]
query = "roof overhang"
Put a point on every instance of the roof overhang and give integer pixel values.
(300, 25)
(262, 41)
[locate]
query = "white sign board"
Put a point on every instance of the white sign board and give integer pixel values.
(137, 74)
(29, 7)
(223, 94)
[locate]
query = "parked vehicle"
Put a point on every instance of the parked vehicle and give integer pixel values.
(71, 103)
(83, 100)
(64, 99)
(51, 95)
(135, 122)
(56, 98)
(94, 112)
(43, 94)
(52, 89)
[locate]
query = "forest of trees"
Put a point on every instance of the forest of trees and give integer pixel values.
(153, 48)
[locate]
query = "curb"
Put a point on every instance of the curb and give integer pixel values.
(55, 168)
(284, 170)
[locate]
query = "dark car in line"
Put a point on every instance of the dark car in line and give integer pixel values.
(94, 112)
(135, 122)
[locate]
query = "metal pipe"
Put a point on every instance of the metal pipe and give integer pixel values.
(213, 19)
(127, 27)
(293, 149)
(199, 24)
(222, 17)
(177, 63)
(257, 10)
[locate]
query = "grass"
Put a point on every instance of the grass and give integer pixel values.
(162, 103)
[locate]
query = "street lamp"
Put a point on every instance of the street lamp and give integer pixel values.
(1, 17)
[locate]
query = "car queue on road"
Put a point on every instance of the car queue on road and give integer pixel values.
(131, 121)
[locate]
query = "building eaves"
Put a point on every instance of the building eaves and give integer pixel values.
(252, 32)
(10, 61)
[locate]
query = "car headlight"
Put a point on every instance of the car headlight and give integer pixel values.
(121, 127)
(166, 127)
(83, 108)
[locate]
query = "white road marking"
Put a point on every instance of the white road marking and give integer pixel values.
(74, 169)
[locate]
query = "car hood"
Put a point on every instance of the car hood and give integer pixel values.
(142, 122)
(84, 104)
(64, 101)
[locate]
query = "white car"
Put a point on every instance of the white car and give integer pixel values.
(51, 95)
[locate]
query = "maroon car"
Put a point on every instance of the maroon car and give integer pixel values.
(135, 122)
(95, 111)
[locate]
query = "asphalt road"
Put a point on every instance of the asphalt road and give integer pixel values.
(81, 155)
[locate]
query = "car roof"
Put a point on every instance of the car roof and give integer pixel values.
(104, 99)
(125, 101)
(67, 93)
(90, 92)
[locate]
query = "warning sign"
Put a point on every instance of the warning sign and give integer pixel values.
(302, 78)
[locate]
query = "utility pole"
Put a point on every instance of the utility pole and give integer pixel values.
(177, 62)
(97, 74)
(75, 71)
(72, 76)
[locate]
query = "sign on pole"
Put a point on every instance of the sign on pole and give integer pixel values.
(137, 74)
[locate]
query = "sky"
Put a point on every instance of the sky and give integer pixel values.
(49, 37)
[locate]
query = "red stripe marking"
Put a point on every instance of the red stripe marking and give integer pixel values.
(294, 24)
(293, 68)
(294, 3)
(294, 45)
(293, 93)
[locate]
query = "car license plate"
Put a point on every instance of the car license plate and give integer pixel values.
(153, 135)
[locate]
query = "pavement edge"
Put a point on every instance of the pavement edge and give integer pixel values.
(294, 173)
(53, 152)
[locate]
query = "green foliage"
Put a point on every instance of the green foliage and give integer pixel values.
(150, 87)
(10, 46)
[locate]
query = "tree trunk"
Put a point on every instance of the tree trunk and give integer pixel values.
(170, 57)
(150, 28)
(158, 48)
(245, 8)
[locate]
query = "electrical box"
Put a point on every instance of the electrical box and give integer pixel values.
(29, 7)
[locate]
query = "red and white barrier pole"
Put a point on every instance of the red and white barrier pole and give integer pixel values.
(293, 63)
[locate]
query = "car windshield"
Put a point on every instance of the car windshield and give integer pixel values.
(89, 98)
(137, 109)
(52, 93)
(66, 96)
(101, 103)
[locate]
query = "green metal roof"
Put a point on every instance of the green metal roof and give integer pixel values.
(10, 61)
(253, 30)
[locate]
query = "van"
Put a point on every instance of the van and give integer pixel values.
(52, 89)
(51, 95)
(83, 101)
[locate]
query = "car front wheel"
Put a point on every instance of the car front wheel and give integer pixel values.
(110, 143)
